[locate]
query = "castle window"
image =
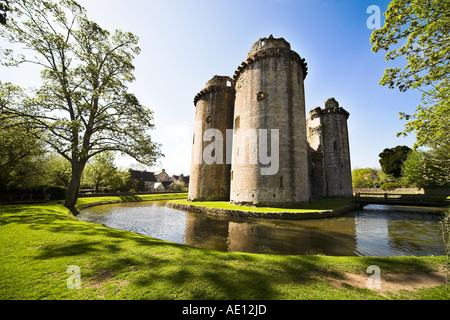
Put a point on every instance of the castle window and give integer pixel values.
(335, 145)
(237, 123)
(281, 182)
(260, 96)
(262, 43)
(193, 139)
(228, 83)
(208, 119)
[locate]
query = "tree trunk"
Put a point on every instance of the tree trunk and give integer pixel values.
(74, 185)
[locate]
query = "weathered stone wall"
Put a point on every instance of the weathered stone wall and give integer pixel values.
(162, 176)
(270, 95)
(214, 110)
(278, 215)
(426, 191)
(330, 151)
(338, 173)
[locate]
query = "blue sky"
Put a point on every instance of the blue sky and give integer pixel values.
(186, 42)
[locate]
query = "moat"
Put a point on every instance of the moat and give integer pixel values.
(375, 231)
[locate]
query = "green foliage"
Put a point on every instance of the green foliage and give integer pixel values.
(428, 168)
(140, 185)
(99, 171)
(84, 106)
(56, 170)
(57, 193)
(178, 186)
(421, 28)
(391, 160)
(418, 30)
(20, 151)
(390, 186)
(361, 178)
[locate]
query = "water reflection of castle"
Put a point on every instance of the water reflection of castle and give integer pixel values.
(366, 234)
(281, 237)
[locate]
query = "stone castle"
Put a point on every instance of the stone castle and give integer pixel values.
(264, 104)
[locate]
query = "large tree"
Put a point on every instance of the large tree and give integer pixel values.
(84, 106)
(418, 31)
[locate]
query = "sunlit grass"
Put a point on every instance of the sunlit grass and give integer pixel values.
(316, 206)
(39, 242)
(84, 202)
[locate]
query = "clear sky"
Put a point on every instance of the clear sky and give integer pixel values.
(186, 42)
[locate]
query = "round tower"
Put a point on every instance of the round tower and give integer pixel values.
(336, 150)
(270, 165)
(210, 168)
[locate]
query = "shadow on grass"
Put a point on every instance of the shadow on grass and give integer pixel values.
(132, 198)
(158, 269)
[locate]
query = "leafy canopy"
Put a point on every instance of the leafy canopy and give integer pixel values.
(418, 31)
(83, 106)
(391, 160)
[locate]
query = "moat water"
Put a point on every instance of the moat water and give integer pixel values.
(373, 231)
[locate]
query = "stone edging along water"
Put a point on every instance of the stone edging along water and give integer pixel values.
(287, 215)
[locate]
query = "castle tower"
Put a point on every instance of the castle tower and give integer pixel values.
(329, 149)
(270, 96)
(210, 170)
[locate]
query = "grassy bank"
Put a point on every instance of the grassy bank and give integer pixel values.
(317, 206)
(38, 243)
(87, 202)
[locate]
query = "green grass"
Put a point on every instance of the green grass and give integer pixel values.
(39, 242)
(317, 206)
(86, 202)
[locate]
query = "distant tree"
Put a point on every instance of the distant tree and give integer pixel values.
(178, 186)
(83, 107)
(361, 179)
(414, 169)
(57, 170)
(391, 160)
(102, 174)
(20, 151)
(427, 168)
(98, 169)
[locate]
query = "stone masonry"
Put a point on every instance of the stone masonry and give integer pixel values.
(214, 110)
(267, 95)
(270, 95)
(330, 169)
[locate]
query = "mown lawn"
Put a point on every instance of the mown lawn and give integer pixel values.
(86, 202)
(317, 206)
(38, 243)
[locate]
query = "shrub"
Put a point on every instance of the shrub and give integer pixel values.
(178, 186)
(57, 193)
(390, 186)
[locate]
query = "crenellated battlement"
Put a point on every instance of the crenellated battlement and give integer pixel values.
(268, 48)
(263, 106)
(216, 84)
(331, 107)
